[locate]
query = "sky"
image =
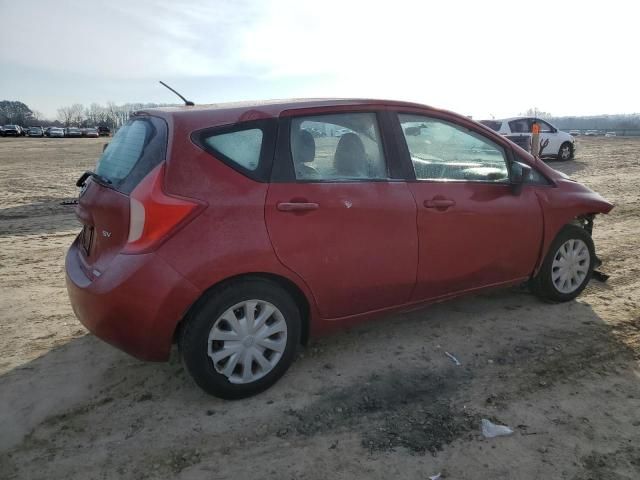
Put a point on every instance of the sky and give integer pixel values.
(481, 58)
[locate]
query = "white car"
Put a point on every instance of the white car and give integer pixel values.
(610, 134)
(56, 132)
(561, 145)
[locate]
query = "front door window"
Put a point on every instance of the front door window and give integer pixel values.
(444, 151)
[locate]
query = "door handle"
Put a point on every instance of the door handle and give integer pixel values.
(296, 206)
(443, 203)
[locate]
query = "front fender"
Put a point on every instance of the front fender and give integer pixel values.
(562, 204)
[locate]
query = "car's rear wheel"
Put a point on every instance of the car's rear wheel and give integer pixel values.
(566, 151)
(241, 338)
(568, 266)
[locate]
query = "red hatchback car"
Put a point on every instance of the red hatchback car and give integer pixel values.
(241, 230)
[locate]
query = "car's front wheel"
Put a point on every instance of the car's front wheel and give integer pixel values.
(241, 338)
(566, 151)
(568, 266)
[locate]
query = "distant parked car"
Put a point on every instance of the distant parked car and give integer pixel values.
(610, 134)
(104, 131)
(574, 133)
(11, 131)
(91, 132)
(561, 145)
(56, 132)
(72, 132)
(591, 133)
(36, 132)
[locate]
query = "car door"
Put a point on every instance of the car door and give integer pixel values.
(473, 230)
(550, 134)
(337, 219)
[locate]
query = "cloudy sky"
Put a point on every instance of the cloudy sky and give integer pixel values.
(490, 58)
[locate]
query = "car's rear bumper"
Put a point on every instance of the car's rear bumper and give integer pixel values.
(135, 304)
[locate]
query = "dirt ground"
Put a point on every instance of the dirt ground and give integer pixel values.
(379, 401)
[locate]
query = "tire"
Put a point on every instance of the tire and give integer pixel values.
(201, 337)
(566, 152)
(549, 284)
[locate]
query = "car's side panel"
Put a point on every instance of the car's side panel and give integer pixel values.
(357, 251)
(229, 238)
(489, 236)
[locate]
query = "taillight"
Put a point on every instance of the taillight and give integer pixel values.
(154, 215)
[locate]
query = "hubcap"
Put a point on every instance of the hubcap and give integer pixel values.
(565, 152)
(570, 266)
(247, 341)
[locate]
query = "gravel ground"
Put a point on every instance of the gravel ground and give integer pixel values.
(378, 401)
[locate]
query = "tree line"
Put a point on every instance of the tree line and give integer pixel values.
(112, 115)
(13, 112)
(623, 123)
(109, 115)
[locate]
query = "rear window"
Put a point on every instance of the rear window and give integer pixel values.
(492, 124)
(134, 151)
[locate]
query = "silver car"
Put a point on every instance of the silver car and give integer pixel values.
(56, 132)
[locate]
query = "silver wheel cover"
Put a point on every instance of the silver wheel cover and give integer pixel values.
(247, 341)
(570, 266)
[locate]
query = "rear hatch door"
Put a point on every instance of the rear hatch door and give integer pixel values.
(103, 205)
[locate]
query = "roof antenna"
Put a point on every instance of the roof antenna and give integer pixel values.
(188, 103)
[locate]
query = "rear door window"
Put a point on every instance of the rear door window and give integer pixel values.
(137, 147)
(337, 147)
(521, 125)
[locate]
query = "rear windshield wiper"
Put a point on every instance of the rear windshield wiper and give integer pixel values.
(83, 178)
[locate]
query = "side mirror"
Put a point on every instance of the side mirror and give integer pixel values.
(520, 173)
(104, 147)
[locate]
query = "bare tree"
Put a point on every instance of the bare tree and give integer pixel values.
(536, 113)
(77, 113)
(65, 115)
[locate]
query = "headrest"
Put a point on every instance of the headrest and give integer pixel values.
(350, 158)
(304, 147)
